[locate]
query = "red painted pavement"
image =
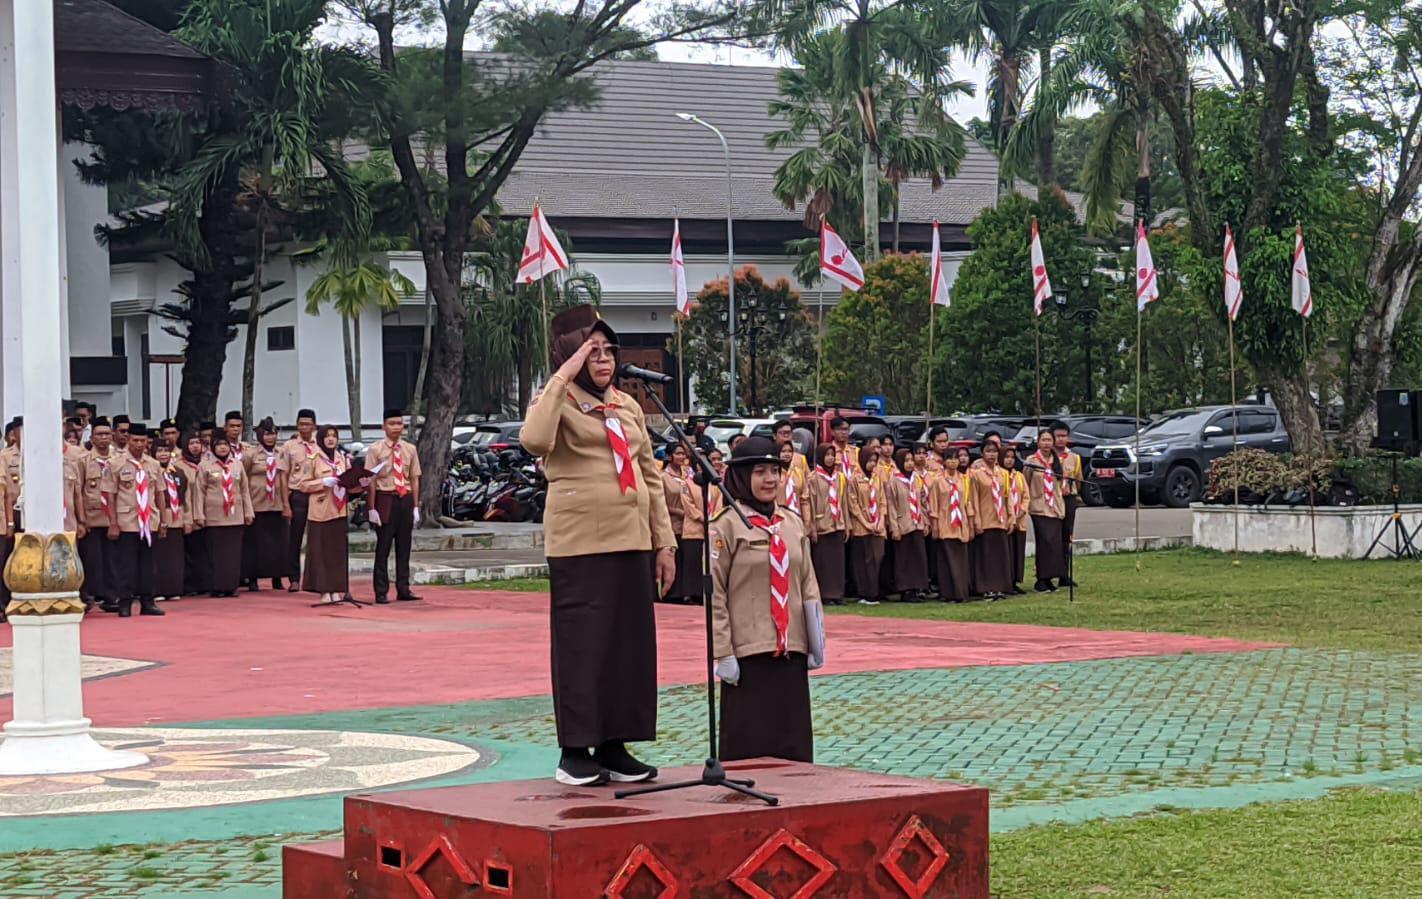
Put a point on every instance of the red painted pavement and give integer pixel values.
(271, 654)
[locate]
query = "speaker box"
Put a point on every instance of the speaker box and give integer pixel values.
(1397, 416)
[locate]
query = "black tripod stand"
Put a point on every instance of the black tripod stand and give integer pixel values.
(1403, 547)
(713, 774)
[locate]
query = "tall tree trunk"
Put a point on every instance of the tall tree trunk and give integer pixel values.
(897, 206)
(254, 319)
(352, 371)
(525, 380)
(1009, 76)
(417, 403)
(870, 173)
(208, 307)
(1047, 139)
(1371, 358)
(1142, 196)
(1296, 407)
(447, 358)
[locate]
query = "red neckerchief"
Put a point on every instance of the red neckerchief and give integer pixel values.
(997, 504)
(1049, 480)
(271, 472)
(621, 452)
(103, 471)
(915, 510)
(143, 498)
(397, 468)
(955, 502)
(1014, 494)
(792, 499)
(779, 579)
(873, 501)
(175, 503)
(229, 498)
(836, 514)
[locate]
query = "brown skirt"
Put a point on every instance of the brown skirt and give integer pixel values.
(992, 562)
(224, 549)
(264, 547)
(327, 563)
(604, 647)
(910, 563)
(954, 570)
(866, 555)
(168, 564)
(1050, 557)
(689, 559)
(1019, 555)
(827, 555)
(768, 712)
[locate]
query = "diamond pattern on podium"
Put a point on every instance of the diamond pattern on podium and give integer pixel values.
(440, 845)
(784, 839)
(641, 859)
(914, 829)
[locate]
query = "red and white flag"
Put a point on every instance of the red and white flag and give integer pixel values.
(836, 261)
(1147, 288)
(1233, 288)
(1302, 289)
(678, 268)
(1041, 284)
(937, 284)
(542, 254)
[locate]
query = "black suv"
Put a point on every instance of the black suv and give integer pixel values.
(1176, 451)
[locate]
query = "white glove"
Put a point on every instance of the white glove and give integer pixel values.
(729, 670)
(329, 482)
(415, 516)
(374, 517)
(815, 634)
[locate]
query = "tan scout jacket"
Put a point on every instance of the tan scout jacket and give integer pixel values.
(740, 575)
(1038, 484)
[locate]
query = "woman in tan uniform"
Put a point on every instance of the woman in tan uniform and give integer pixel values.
(768, 628)
(264, 545)
(688, 520)
(1048, 508)
(196, 566)
(223, 510)
(866, 528)
(611, 551)
(949, 503)
(991, 520)
(175, 500)
(825, 522)
(906, 520)
(1017, 508)
(327, 570)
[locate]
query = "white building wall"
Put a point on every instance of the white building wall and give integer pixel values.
(85, 206)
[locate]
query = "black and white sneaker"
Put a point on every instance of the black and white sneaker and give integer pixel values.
(621, 766)
(577, 769)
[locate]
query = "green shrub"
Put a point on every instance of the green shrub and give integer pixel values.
(1373, 477)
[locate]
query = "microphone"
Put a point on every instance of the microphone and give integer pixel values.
(628, 370)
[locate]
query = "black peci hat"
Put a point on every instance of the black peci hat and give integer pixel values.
(121, 420)
(306, 413)
(208, 425)
(101, 421)
(393, 413)
(167, 423)
(756, 451)
(138, 429)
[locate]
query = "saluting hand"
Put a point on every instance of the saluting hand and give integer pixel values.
(569, 369)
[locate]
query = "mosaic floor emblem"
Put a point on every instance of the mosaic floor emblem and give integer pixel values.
(190, 768)
(92, 667)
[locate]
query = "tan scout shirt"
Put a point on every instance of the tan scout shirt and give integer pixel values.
(1019, 500)
(11, 459)
(208, 511)
(684, 504)
(256, 464)
(864, 494)
(176, 497)
(324, 506)
(294, 454)
(940, 507)
(98, 474)
(384, 452)
(819, 520)
(125, 477)
(241, 450)
(587, 511)
(1071, 468)
(899, 514)
(984, 511)
(1037, 481)
(847, 457)
(740, 576)
(73, 493)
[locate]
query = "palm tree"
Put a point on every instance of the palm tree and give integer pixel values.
(289, 96)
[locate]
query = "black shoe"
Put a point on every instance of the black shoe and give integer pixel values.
(293, 587)
(382, 600)
(409, 597)
(276, 583)
(146, 606)
(620, 764)
(125, 608)
(1018, 591)
(108, 605)
(1043, 586)
(1065, 582)
(577, 769)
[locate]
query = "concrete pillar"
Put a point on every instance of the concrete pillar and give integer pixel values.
(9, 221)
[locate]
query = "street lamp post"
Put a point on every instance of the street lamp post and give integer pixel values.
(730, 242)
(1087, 317)
(755, 321)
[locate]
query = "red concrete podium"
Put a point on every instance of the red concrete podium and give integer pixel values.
(836, 833)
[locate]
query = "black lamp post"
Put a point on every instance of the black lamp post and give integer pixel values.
(1086, 315)
(753, 321)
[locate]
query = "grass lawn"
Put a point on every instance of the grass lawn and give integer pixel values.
(1354, 843)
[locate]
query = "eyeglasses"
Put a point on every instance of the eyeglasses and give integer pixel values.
(607, 351)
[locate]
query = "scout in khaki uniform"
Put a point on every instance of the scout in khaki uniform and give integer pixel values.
(1072, 473)
(846, 452)
(768, 628)
(169, 435)
(1017, 509)
(169, 551)
(907, 521)
(611, 550)
(395, 506)
(122, 424)
(223, 509)
(10, 467)
(327, 572)
(990, 515)
(96, 488)
(197, 569)
(1048, 509)
(294, 453)
(688, 519)
(948, 509)
(136, 524)
(264, 544)
(866, 528)
(826, 523)
(799, 472)
(234, 428)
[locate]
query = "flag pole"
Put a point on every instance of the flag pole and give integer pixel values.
(1308, 394)
(542, 292)
(1138, 433)
(820, 329)
(680, 372)
(1037, 332)
(928, 397)
(1234, 449)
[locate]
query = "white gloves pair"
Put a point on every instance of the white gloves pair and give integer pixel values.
(729, 669)
(374, 518)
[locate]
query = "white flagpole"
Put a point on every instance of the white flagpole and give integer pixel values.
(928, 397)
(542, 293)
(1312, 522)
(1234, 449)
(1139, 311)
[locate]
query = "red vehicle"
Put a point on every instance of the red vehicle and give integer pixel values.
(862, 425)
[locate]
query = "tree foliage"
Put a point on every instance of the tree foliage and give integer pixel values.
(876, 339)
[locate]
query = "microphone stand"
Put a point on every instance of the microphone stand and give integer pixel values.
(712, 774)
(1070, 544)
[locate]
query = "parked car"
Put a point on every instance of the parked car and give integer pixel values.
(722, 430)
(1176, 451)
(862, 425)
(913, 429)
(497, 436)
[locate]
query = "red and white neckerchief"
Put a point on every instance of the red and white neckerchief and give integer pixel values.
(997, 502)
(621, 452)
(844, 464)
(310, 449)
(779, 579)
(836, 513)
(271, 472)
(229, 480)
(338, 493)
(1014, 494)
(143, 499)
(1049, 480)
(236, 451)
(103, 472)
(175, 502)
(397, 468)
(792, 498)
(915, 510)
(873, 501)
(955, 503)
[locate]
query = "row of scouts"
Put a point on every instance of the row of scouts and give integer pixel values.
(160, 514)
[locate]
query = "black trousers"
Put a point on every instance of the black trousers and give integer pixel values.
(300, 503)
(131, 566)
(397, 525)
(93, 554)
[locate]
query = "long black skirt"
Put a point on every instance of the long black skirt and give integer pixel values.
(1019, 555)
(827, 556)
(954, 570)
(224, 550)
(910, 563)
(603, 632)
(264, 547)
(886, 567)
(768, 712)
(93, 554)
(197, 562)
(168, 564)
(327, 561)
(866, 556)
(689, 559)
(1050, 558)
(992, 562)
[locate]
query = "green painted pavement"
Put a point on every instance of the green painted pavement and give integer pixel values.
(1052, 742)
